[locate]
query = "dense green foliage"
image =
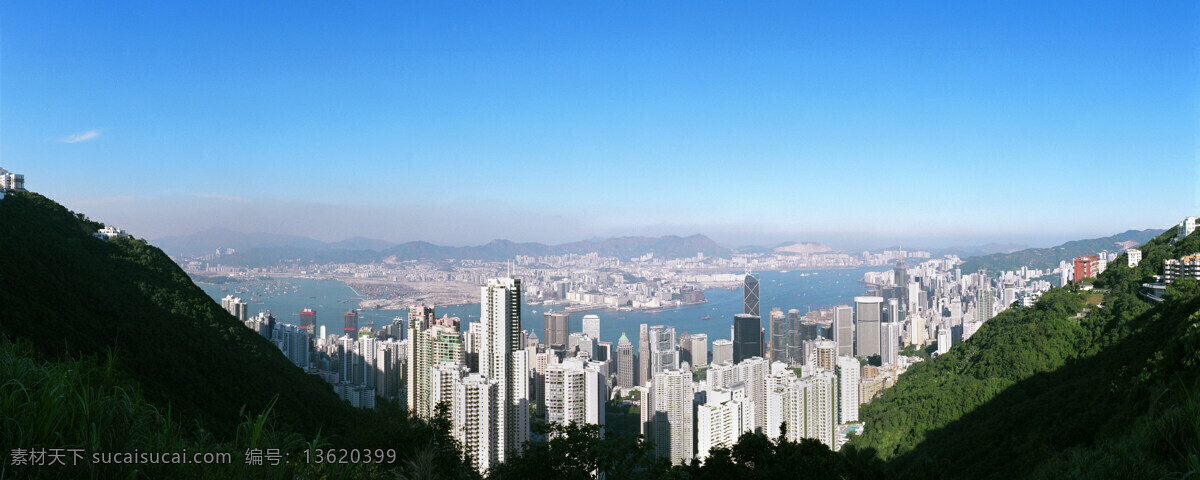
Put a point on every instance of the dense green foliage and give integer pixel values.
(69, 295)
(86, 405)
(575, 451)
(1042, 392)
(1044, 258)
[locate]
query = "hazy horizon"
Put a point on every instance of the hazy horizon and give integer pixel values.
(837, 243)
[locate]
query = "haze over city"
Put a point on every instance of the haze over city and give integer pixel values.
(857, 126)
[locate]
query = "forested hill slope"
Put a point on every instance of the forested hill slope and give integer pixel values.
(1039, 392)
(73, 294)
(177, 371)
(1048, 258)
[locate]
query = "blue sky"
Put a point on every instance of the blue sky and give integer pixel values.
(856, 124)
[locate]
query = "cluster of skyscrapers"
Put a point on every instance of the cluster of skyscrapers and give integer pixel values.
(803, 371)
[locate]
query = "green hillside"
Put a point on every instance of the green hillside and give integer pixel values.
(1046, 258)
(1039, 392)
(68, 296)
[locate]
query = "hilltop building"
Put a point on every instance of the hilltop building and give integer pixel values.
(1087, 266)
(1186, 227)
(1133, 256)
(1186, 267)
(11, 181)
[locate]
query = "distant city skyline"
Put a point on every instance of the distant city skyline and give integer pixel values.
(857, 126)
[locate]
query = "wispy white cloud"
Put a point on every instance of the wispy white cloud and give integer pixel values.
(80, 137)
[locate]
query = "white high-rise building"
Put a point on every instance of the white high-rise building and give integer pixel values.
(669, 417)
(848, 373)
(721, 375)
(664, 354)
(625, 364)
(824, 354)
(724, 417)
(591, 326)
(476, 420)
(443, 378)
(889, 343)
(699, 350)
(1186, 227)
(1133, 257)
(502, 359)
(916, 330)
(575, 392)
(722, 351)
(579, 342)
(15, 181)
(869, 316)
(821, 403)
(843, 330)
(753, 373)
(969, 329)
(914, 298)
(809, 407)
(943, 340)
(236, 307)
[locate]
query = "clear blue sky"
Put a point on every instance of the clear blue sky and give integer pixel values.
(853, 123)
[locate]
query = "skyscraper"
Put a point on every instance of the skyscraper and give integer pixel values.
(670, 421)
(722, 351)
(663, 352)
(889, 332)
(917, 330)
(725, 416)
(431, 342)
(843, 330)
(351, 324)
(308, 320)
(985, 304)
(794, 342)
(591, 326)
(848, 373)
(556, 333)
(475, 418)
(236, 307)
(869, 314)
(901, 278)
(779, 335)
(825, 354)
(943, 340)
(643, 375)
(747, 337)
(625, 373)
(685, 348)
(750, 293)
(575, 392)
(502, 360)
(753, 372)
(699, 350)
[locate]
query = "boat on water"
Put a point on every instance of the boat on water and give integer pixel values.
(706, 317)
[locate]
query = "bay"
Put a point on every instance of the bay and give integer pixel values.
(331, 299)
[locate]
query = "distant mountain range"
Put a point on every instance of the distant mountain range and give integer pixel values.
(976, 250)
(208, 241)
(1045, 258)
(261, 249)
